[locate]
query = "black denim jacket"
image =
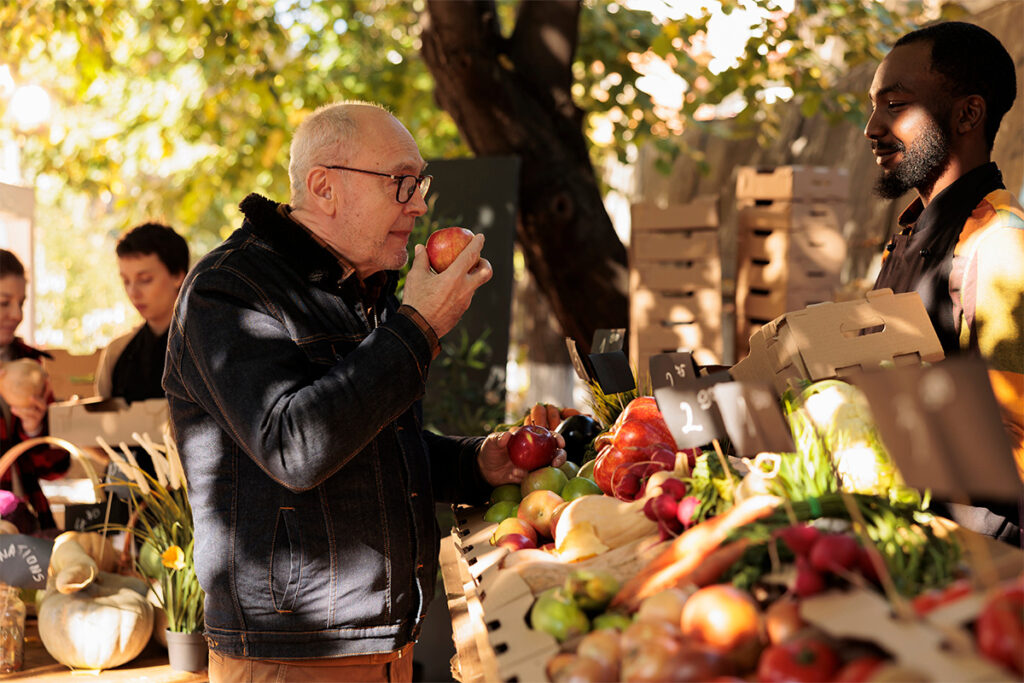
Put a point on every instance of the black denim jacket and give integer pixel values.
(299, 425)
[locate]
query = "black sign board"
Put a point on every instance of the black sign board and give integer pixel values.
(753, 418)
(580, 362)
(608, 340)
(89, 516)
(686, 400)
(24, 560)
(610, 370)
(941, 424)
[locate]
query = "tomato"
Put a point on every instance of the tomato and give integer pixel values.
(926, 602)
(999, 630)
(804, 659)
(859, 670)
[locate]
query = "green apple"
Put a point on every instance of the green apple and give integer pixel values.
(570, 469)
(547, 478)
(580, 486)
(503, 509)
(587, 469)
(506, 492)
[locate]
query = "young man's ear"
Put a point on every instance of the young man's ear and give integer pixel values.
(970, 114)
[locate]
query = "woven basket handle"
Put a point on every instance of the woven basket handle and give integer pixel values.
(8, 458)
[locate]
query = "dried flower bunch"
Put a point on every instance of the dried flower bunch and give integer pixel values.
(163, 525)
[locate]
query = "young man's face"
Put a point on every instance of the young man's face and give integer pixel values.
(909, 126)
(151, 288)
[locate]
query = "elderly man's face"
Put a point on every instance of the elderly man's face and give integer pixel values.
(372, 228)
(909, 126)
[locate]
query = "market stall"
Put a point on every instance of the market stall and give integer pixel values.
(770, 522)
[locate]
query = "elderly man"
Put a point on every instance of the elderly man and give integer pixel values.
(938, 98)
(294, 379)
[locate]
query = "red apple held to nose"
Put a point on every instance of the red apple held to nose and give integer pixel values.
(531, 447)
(445, 245)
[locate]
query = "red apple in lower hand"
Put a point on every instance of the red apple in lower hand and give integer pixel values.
(445, 245)
(513, 525)
(531, 447)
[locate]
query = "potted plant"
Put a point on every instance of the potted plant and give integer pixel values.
(161, 521)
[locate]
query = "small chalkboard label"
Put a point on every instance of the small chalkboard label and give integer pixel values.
(580, 363)
(612, 372)
(941, 425)
(24, 560)
(608, 340)
(89, 516)
(686, 400)
(753, 418)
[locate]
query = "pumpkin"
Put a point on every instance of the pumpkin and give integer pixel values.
(89, 619)
(96, 545)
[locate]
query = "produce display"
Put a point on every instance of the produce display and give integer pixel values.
(650, 563)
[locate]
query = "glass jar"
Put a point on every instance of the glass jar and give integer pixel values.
(12, 629)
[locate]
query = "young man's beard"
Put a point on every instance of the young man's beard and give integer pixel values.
(923, 162)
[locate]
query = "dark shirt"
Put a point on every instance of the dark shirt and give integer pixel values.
(920, 256)
(140, 367)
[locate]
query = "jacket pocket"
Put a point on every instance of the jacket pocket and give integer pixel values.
(286, 560)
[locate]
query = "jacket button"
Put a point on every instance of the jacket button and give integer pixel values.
(890, 246)
(925, 253)
(419, 566)
(413, 494)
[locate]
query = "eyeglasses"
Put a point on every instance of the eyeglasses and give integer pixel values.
(407, 184)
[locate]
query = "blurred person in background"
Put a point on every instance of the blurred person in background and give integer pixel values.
(27, 418)
(152, 260)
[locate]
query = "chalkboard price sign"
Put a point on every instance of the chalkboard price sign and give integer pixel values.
(686, 399)
(753, 418)
(24, 560)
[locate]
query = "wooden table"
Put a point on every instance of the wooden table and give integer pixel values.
(150, 666)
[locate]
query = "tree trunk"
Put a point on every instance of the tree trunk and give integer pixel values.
(512, 96)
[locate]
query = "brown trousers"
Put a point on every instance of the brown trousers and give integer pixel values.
(391, 667)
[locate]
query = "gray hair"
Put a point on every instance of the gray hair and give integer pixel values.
(324, 137)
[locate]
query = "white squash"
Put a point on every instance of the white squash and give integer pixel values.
(90, 619)
(615, 522)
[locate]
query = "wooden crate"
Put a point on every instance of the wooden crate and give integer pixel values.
(700, 213)
(779, 214)
(673, 246)
(817, 248)
(682, 276)
(796, 183)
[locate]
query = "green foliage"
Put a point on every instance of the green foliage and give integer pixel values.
(174, 110)
(458, 403)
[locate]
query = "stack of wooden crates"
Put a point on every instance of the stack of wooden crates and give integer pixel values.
(790, 247)
(675, 282)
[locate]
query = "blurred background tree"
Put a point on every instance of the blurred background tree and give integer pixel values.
(174, 110)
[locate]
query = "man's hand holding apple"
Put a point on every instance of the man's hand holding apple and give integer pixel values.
(442, 298)
(496, 466)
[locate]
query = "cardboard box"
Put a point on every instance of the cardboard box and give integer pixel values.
(702, 212)
(652, 308)
(703, 340)
(80, 422)
(835, 339)
(795, 183)
(72, 375)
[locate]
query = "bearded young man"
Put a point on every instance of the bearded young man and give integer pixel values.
(938, 99)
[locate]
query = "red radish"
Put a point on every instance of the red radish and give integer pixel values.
(808, 580)
(664, 507)
(674, 487)
(867, 566)
(686, 509)
(800, 539)
(649, 510)
(691, 456)
(834, 553)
